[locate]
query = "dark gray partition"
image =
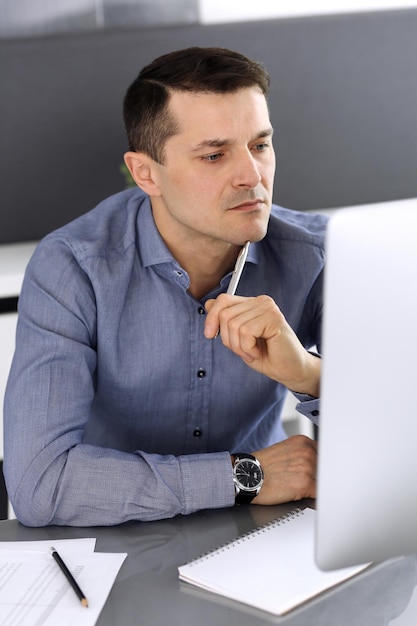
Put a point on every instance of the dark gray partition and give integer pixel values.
(343, 103)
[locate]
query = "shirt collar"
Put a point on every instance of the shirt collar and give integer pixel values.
(152, 248)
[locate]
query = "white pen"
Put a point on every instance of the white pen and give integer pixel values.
(237, 273)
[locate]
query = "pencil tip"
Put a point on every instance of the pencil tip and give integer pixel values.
(84, 602)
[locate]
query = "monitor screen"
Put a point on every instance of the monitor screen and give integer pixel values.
(367, 467)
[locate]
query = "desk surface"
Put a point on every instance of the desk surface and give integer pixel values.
(147, 589)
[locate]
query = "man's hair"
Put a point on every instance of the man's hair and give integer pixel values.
(148, 122)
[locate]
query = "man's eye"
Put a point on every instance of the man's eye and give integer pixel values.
(213, 157)
(261, 146)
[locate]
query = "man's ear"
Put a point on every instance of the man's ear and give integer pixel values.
(140, 166)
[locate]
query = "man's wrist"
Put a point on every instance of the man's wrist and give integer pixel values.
(310, 385)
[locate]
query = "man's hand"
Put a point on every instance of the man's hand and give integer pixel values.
(289, 471)
(256, 330)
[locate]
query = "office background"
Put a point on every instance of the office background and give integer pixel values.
(343, 98)
(343, 103)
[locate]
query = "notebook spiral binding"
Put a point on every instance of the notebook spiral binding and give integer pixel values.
(279, 521)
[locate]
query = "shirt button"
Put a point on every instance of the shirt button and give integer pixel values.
(315, 413)
(197, 432)
(201, 373)
(201, 310)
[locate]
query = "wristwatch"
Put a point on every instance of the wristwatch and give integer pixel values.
(247, 476)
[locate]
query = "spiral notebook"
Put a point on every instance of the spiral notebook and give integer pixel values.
(271, 568)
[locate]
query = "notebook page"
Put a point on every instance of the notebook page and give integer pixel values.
(271, 568)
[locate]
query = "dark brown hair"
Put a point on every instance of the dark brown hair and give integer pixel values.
(148, 122)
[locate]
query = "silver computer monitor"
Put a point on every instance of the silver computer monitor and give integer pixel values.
(367, 468)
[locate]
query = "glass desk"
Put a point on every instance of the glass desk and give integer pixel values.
(148, 592)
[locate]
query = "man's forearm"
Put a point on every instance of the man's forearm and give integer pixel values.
(89, 486)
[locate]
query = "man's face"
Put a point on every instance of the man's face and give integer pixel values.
(217, 178)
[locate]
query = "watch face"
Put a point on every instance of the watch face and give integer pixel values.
(248, 475)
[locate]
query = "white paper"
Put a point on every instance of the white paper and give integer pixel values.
(34, 591)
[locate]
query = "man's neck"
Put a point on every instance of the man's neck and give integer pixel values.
(205, 268)
(205, 259)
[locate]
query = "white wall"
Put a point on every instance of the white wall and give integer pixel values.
(212, 11)
(7, 341)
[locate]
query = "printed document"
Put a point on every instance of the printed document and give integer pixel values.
(34, 591)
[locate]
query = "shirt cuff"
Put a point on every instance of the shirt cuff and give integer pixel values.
(207, 481)
(308, 406)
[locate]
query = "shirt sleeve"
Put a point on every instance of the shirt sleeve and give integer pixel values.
(309, 407)
(52, 476)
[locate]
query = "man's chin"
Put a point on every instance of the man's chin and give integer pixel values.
(253, 228)
(257, 233)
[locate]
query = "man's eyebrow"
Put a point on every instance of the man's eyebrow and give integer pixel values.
(268, 132)
(211, 143)
(220, 143)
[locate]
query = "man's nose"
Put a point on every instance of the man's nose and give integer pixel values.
(246, 172)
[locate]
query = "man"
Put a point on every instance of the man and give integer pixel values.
(122, 401)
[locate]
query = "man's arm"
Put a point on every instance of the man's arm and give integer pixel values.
(256, 330)
(52, 476)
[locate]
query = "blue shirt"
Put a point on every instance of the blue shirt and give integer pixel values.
(117, 406)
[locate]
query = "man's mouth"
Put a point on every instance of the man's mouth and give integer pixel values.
(248, 205)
